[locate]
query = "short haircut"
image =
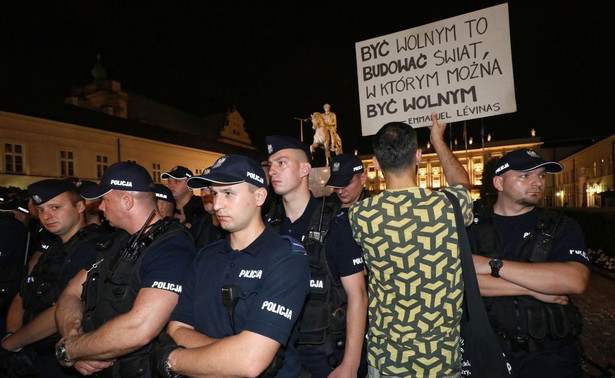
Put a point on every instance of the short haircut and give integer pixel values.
(146, 198)
(395, 146)
(300, 156)
(251, 187)
(74, 196)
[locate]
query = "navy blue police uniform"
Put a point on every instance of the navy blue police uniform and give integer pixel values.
(323, 228)
(271, 277)
(154, 258)
(57, 265)
(540, 339)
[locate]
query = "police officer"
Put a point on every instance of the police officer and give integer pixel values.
(348, 179)
(92, 214)
(528, 261)
(31, 321)
(206, 229)
(132, 288)
(165, 202)
(332, 328)
(243, 294)
(188, 206)
(40, 238)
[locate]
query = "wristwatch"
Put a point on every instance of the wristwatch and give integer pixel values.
(61, 353)
(167, 365)
(495, 265)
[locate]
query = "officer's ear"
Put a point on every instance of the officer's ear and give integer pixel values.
(80, 205)
(498, 183)
(305, 169)
(363, 178)
(127, 201)
(261, 195)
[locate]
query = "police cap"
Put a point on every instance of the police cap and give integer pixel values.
(44, 190)
(276, 143)
(230, 169)
(125, 175)
(343, 169)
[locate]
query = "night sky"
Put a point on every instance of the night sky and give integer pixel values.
(279, 60)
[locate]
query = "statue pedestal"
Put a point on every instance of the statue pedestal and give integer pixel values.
(317, 180)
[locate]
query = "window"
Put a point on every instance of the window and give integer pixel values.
(67, 164)
(423, 181)
(478, 178)
(13, 158)
(156, 172)
(436, 181)
(102, 163)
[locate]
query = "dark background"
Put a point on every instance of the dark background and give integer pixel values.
(279, 60)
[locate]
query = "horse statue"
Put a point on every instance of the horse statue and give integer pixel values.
(325, 136)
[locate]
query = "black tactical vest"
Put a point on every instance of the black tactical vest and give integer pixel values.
(113, 282)
(324, 314)
(41, 288)
(524, 316)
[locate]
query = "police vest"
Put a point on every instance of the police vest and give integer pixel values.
(41, 288)
(525, 316)
(324, 313)
(113, 282)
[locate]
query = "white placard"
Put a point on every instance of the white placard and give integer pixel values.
(460, 68)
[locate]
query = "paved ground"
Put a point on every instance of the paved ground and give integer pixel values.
(598, 338)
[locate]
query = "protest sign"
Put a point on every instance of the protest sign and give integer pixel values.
(460, 68)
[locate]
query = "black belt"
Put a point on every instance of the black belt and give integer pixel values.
(529, 345)
(128, 367)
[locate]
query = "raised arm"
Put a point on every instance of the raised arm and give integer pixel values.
(453, 170)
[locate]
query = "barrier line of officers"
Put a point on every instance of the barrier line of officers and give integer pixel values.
(256, 278)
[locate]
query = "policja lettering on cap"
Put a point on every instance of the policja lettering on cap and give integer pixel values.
(524, 160)
(125, 175)
(162, 192)
(343, 169)
(230, 169)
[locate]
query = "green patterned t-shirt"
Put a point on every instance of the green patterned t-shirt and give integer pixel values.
(409, 241)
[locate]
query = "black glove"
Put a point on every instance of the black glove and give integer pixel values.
(5, 355)
(162, 348)
(22, 364)
(276, 364)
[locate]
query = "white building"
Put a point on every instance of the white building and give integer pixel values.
(100, 124)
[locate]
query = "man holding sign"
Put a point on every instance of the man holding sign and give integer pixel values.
(409, 240)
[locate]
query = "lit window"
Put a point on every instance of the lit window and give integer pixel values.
(102, 163)
(13, 158)
(67, 164)
(156, 172)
